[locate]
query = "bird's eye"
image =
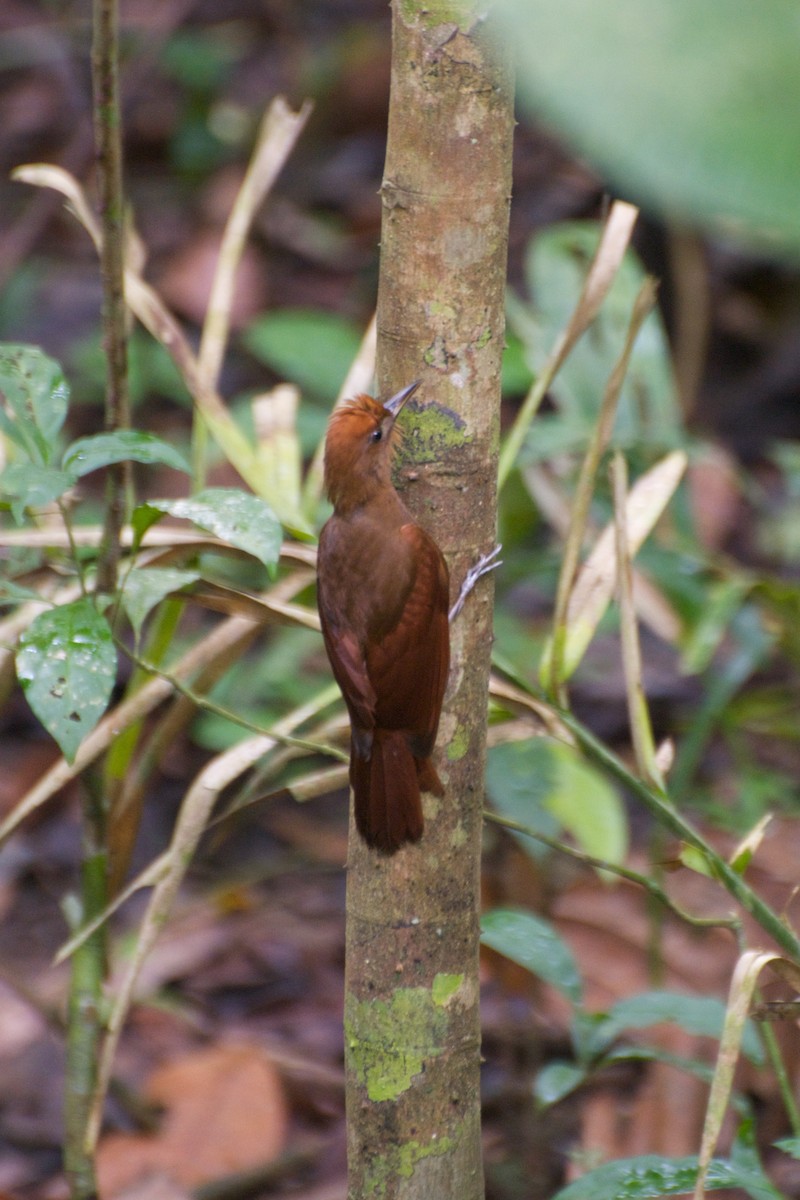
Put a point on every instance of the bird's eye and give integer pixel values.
(377, 434)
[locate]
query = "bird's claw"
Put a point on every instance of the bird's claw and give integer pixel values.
(485, 564)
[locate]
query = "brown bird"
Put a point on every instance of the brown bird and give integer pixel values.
(383, 590)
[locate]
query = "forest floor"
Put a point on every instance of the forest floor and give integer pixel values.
(230, 1072)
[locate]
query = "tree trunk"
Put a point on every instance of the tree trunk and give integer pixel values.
(412, 1022)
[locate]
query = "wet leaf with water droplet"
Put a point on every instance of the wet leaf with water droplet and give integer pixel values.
(33, 400)
(649, 1177)
(103, 449)
(67, 664)
(236, 517)
(144, 588)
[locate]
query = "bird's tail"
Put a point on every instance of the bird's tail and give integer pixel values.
(386, 789)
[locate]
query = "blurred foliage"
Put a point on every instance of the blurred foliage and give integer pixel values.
(692, 117)
(648, 416)
(736, 627)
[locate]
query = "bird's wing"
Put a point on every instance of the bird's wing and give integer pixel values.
(407, 667)
(350, 672)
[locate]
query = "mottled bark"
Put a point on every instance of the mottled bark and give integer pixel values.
(411, 1009)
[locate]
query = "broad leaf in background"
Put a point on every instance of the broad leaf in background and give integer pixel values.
(29, 485)
(545, 785)
(556, 1080)
(145, 587)
(700, 1015)
(535, 945)
(125, 445)
(231, 515)
(557, 261)
(14, 593)
(67, 664)
(33, 400)
(691, 110)
(313, 349)
(649, 1177)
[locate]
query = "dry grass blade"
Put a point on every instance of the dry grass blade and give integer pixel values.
(553, 664)
(283, 128)
(149, 877)
(48, 176)
(358, 379)
(158, 541)
(278, 446)
(277, 135)
(192, 821)
(638, 713)
(605, 264)
(596, 579)
(514, 699)
(260, 608)
(219, 641)
(743, 984)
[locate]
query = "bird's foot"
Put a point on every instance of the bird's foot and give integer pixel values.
(485, 564)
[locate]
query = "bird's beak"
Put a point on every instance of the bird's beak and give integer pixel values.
(396, 403)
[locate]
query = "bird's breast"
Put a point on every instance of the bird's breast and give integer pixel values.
(366, 571)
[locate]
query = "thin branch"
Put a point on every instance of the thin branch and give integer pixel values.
(554, 662)
(638, 712)
(610, 252)
(732, 923)
(108, 141)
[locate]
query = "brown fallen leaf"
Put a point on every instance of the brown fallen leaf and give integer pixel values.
(224, 1112)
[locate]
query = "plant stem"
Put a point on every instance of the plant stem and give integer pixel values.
(653, 889)
(781, 1074)
(108, 142)
(88, 965)
(84, 1024)
(659, 805)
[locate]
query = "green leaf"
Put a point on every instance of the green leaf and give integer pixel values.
(32, 486)
(690, 112)
(519, 779)
(516, 373)
(33, 400)
(557, 1080)
(535, 945)
(67, 664)
(126, 445)
(236, 517)
(789, 1145)
(700, 1015)
(649, 1177)
(145, 587)
(557, 261)
(541, 779)
(313, 349)
(14, 593)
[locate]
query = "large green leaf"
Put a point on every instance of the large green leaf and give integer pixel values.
(650, 1176)
(701, 1015)
(313, 349)
(33, 400)
(236, 517)
(102, 449)
(556, 264)
(687, 108)
(146, 587)
(67, 665)
(544, 784)
(534, 944)
(30, 485)
(556, 1080)
(15, 593)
